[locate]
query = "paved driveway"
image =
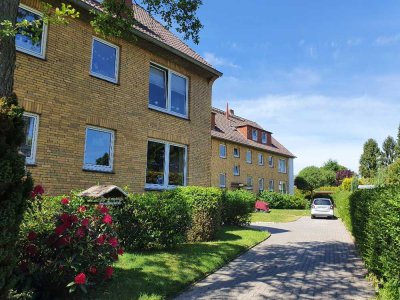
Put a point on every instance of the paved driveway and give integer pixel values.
(305, 259)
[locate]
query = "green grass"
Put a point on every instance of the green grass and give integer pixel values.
(162, 274)
(279, 215)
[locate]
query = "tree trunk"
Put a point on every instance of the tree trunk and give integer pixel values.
(8, 11)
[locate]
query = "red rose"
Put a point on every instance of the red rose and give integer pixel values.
(64, 201)
(65, 240)
(31, 250)
(80, 232)
(120, 251)
(85, 222)
(107, 219)
(80, 278)
(60, 229)
(100, 240)
(93, 270)
(37, 191)
(32, 235)
(113, 242)
(108, 273)
(103, 209)
(82, 209)
(64, 218)
(73, 218)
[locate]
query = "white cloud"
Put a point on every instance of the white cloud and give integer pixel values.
(387, 40)
(219, 61)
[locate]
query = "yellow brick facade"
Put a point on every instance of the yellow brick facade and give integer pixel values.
(225, 165)
(61, 91)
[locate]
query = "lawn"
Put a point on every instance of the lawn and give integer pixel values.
(162, 274)
(279, 215)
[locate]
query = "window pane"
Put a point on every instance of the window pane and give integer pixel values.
(264, 137)
(222, 150)
(222, 180)
(157, 90)
(29, 126)
(31, 40)
(98, 148)
(104, 59)
(178, 94)
(176, 165)
(155, 163)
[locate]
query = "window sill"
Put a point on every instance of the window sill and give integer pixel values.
(97, 171)
(224, 157)
(155, 108)
(160, 188)
(30, 164)
(109, 80)
(32, 54)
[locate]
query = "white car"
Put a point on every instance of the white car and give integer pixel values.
(322, 207)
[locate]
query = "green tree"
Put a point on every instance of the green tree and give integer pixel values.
(393, 173)
(333, 165)
(313, 177)
(369, 159)
(388, 152)
(397, 148)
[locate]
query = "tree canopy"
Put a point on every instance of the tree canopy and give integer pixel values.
(369, 159)
(313, 177)
(333, 165)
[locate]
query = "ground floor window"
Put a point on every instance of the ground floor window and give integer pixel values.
(261, 184)
(282, 187)
(271, 185)
(99, 149)
(222, 180)
(166, 165)
(28, 147)
(249, 182)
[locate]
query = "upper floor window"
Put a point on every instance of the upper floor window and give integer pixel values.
(261, 184)
(264, 137)
(222, 151)
(271, 161)
(248, 156)
(236, 152)
(282, 187)
(260, 159)
(271, 185)
(105, 60)
(99, 149)
(166, 165)
(249, 182)
(222, 180)
(282, 166)
(236, 171)
(168, 91)
(28, 147)
(31, 42)
(254, 134)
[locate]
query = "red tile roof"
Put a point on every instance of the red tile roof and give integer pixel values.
(226, 129)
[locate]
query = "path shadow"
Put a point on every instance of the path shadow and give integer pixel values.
(270, 229)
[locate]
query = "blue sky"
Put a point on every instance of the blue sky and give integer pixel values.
(323, 76)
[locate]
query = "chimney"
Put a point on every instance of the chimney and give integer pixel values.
(227, 110)
(213, 120)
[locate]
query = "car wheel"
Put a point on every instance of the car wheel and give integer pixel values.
(312, 217)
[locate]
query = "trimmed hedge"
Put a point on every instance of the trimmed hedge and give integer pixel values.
(152, 220)
(284, 201)
(237, 207)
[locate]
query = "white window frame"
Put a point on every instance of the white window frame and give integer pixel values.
(31, 160)
(238, 152)
(280, 170)
(219, 149)
(261, 184)
(249, 178)
(165, 185)
(224, 180)
(44, 35)
(281, 184)
(247, 157)
(236, 167)
(168, 87)
(271, 185)
(254, 134)
(260, 162)
(110, 79)
(99, 168)
(264, 137)
(271, 161)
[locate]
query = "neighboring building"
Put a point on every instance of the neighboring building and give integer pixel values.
(244, 155)
(110, 111)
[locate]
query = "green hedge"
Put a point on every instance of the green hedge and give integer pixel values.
(237, 207)
(375, 219)
(342, 209)
(152, 220)
(284, 201)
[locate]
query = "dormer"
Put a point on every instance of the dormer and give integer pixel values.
(255, 134)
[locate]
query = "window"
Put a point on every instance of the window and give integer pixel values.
(166, 165)
(248, 156)
(282, 187)
(264, 137)
(254, 134)
(222, 180)
(236, 171)
(168, 91)
(271, 161)
(99, 149)
(222, 151)
(282, 166)
(25, 42)
(28, 147)
(261, 184)
(249, 182)
(260, 159)
(236, 152)
(105, 60)
(271, 185)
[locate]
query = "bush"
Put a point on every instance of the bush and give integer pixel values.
(152, 220)
(346, 184)
(341, 200)
(65, 246)
(205, 212)
(237, 207)
(284, 201)
(327, 188)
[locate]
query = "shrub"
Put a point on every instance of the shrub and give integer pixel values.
(327, 188)
(284, 201)
(152, 220)
(346, 184)
(65, 246)
(205, 212)
(341, 200)
(237, 207)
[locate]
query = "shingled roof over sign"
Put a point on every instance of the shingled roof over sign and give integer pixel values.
(226, 129)
(154, 31)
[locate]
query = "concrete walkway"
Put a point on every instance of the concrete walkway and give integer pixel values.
(305, 259)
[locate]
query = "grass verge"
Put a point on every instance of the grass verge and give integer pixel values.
(279, 215)
(163, 274)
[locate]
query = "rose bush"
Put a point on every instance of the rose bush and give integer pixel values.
(66, 246)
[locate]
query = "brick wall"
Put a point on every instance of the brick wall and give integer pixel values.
(68, 99)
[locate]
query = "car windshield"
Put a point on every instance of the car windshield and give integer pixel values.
(322, 202)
